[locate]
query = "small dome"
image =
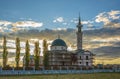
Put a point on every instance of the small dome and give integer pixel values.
(59, 42)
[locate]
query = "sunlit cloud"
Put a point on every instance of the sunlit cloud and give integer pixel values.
(114, 14)
(59, 29)
(6, 26)
(108, 39)
(59, 19)
(5, 23)
(27, 24)
(1, 29)
(109, 19)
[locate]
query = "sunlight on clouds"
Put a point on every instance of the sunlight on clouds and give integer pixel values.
(109, 39)
(109, 19)
(59, 19)
(1, 29)
(27, 24)
(6, 26)
(34, 40)
(59, 29)
(113, 14)
(95, 45)
(102, 18)
(103, 60)
(87, 22)
(5, 23)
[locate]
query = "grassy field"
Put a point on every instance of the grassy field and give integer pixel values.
(67, 76)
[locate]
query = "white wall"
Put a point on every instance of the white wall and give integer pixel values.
(58, 48)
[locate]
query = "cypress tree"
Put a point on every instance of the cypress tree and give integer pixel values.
(27, 54)
(37, 55)
(5, 52)
(45, 54)
(17, 59)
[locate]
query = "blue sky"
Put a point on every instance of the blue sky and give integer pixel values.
(47, 11)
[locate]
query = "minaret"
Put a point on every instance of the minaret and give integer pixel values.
(79, 34)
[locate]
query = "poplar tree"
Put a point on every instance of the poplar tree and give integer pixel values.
(45, 54)
(17, 59)
(27, 54)
(37, 55)
(5, 52)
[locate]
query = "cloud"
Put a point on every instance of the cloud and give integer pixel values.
(95, 40)
(27, 24)
(59, 29)
(102, 17)
(6, 26)
(59, 19)
(114, 14)
(88, 23)
(1, 29)
(109, 19)
(5, 23)
(109, 51)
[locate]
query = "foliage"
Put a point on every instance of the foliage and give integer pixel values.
(27, 54)
(7, 67)
(5, 52)
(37, 55)
(17, 59)
(45, 54)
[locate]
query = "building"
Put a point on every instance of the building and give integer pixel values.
(59, 56)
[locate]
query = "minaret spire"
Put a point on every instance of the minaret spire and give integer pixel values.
(79, 23)
(79, 34)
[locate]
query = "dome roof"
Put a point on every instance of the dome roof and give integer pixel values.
(59, 42)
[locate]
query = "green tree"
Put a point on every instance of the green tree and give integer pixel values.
(17, 59)
(45, 54)
(27, 54)
(37, 55)
(5, 52)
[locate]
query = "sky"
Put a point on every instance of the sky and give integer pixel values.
(96, 15)
(53, 14)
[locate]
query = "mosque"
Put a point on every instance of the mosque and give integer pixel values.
(59, 56)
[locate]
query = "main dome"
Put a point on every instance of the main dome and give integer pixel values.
(59, 42)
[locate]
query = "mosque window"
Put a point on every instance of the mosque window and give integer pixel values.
(86, 63)
(80, 58)
(86, 57)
